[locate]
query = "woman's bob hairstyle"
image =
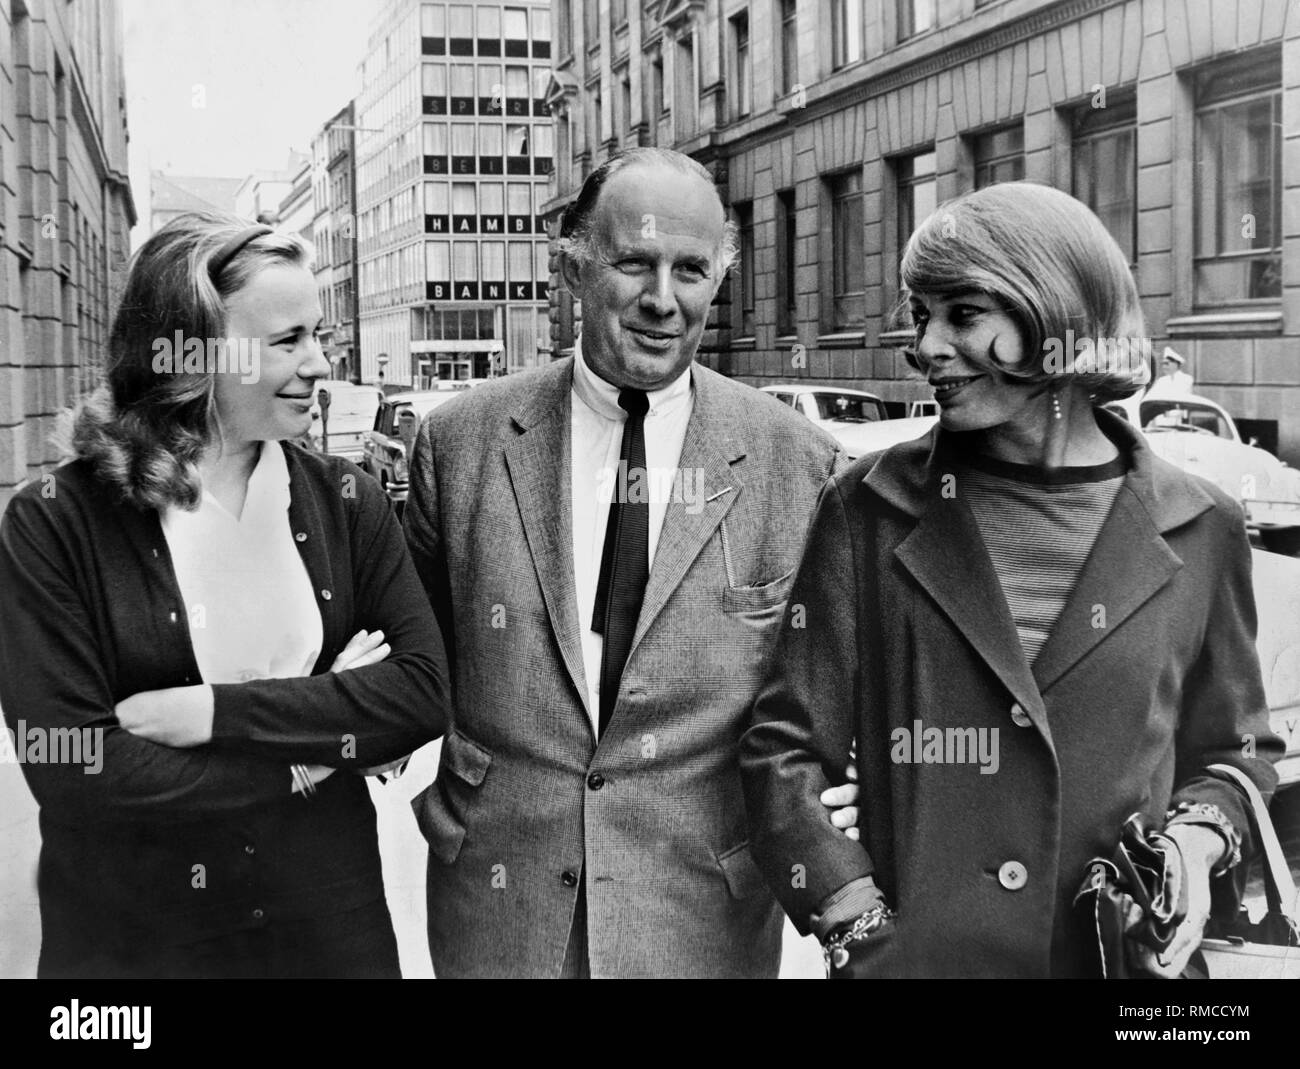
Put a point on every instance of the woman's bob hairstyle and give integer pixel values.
(144, 429)
(1049, 261)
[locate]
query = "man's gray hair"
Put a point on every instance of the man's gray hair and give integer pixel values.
(575, 239)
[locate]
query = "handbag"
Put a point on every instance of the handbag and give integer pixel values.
(1238, 948)
(1146, 871)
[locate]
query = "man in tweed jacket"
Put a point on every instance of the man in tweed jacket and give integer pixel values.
(556, 847)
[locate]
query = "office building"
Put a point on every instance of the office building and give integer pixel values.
(454, 156)
(833, 126)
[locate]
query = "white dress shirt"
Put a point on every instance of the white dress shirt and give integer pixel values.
(250, 603)
(596, 440)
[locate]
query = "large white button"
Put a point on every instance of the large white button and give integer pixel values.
(1013, 875)
(1019, 717)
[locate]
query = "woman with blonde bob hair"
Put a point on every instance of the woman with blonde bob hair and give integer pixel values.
(1044, 629)
(228, 625)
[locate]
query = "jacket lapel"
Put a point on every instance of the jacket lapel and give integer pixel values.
(1130, 561)
(945, 554)
(710, 446)
(539, 461)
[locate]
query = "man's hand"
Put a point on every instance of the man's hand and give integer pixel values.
(842, 801)
(315, 773)
(174, 716)
(1201, 850)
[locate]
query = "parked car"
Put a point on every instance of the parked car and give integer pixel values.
(1277, 599)
(855, 419)
(352, 410)
(1198, 436)
(384, 451)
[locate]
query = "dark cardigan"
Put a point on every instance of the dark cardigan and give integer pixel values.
(168, 846)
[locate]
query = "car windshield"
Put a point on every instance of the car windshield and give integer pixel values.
(1183, 416)
(848, 408)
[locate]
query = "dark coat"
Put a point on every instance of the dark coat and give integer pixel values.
(1150, 675)
(90, 613)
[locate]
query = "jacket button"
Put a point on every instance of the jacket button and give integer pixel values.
(569, 878)
(250, 849)
(258, 914)
(1013, 875)
(595, 781)
(172, 617)
(1019, 717)
(300, 537)
(326, 595)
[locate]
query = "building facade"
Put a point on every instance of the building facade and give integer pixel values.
(171, 195)
(335, 237)
(454, 158)
(65, 216)
(833, 126)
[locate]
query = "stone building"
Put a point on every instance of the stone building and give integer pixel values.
(65, 216)
(833, 125)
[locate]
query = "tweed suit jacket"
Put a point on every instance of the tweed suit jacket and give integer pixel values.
(527, 803)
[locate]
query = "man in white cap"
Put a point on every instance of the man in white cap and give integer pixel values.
(1173, 380)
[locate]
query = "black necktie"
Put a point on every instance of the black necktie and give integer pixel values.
(624, 564)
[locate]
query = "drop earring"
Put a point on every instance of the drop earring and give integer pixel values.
(1056, 405)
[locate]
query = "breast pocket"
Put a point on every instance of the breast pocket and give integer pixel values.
(760, 606)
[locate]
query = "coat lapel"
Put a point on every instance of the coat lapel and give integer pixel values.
(539, 461)
(1130, 561)
(710, 446)
(945, 554)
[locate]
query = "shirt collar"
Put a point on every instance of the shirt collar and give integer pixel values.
(602, 397)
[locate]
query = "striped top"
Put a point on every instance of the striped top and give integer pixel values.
(1039, 528)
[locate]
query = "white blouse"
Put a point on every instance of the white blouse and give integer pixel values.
(250, 603)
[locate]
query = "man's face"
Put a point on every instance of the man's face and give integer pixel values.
(656, 235)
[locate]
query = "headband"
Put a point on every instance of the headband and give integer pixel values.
(231, 249)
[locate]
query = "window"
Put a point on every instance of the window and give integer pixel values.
(658, 100)
(1000, 156)
(1239, 183)
(460, 29)
(786, 262)
(541, 20)
(617, 13)
(848, 304)
(517, 90)
(846, 32)
(687, 94)
(789, 46)
(916, 193)
(489, 30)
(516, 32)
(591, 23)
(914, 16)
(490, 90)
(741, 75)
(1105, 168)
(464, 258)
(744, 286)
(623, 133)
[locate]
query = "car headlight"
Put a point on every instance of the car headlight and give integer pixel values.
(400, 472)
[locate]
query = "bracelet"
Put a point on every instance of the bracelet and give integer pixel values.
(1208, 815)
(835, 949)
(302, 779)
